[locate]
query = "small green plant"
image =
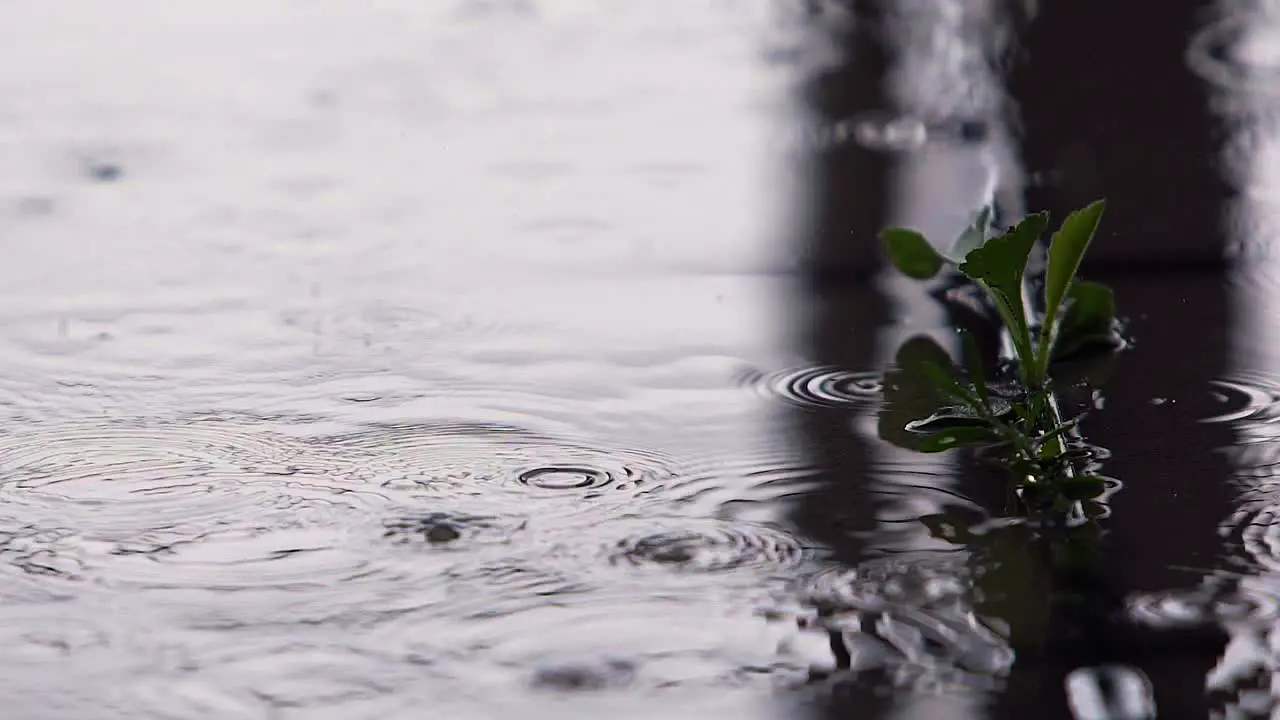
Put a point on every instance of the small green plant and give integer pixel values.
(1075, 312)
(1021, 416)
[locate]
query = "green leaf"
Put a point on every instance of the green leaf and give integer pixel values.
(957, 437)
(999, 265)
(1002, 260)
(1066, 250)
(911, 253)
(972, 238)
(1089, 319)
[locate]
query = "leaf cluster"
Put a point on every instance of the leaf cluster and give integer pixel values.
(932, 408)
(1076, 313)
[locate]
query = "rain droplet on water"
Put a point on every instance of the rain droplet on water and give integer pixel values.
(565, 478)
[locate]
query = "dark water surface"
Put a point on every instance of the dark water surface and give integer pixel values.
(494, 359)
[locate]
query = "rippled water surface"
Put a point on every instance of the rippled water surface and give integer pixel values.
(367, 362)
(529, 358)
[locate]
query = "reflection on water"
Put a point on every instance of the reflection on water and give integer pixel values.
(914, 617)
(1110, 691)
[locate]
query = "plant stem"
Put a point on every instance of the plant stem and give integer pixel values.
(1054, 413)
(1048, 415)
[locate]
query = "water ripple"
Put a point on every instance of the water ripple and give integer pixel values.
(819, 386)
(115, 482)
(708, 546)
(238, 560)
(317, 577)
(502, 586)
(1252, 397)
(1231, 54)
(1251, 405)
(752, 483)
(264, 674)
(565, 478)
(511, 468)
(625, 558)
(1246, 607)
(588, 643)
(1203, 606)
(1254, 529)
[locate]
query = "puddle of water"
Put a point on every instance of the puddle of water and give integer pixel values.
(520, 358)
